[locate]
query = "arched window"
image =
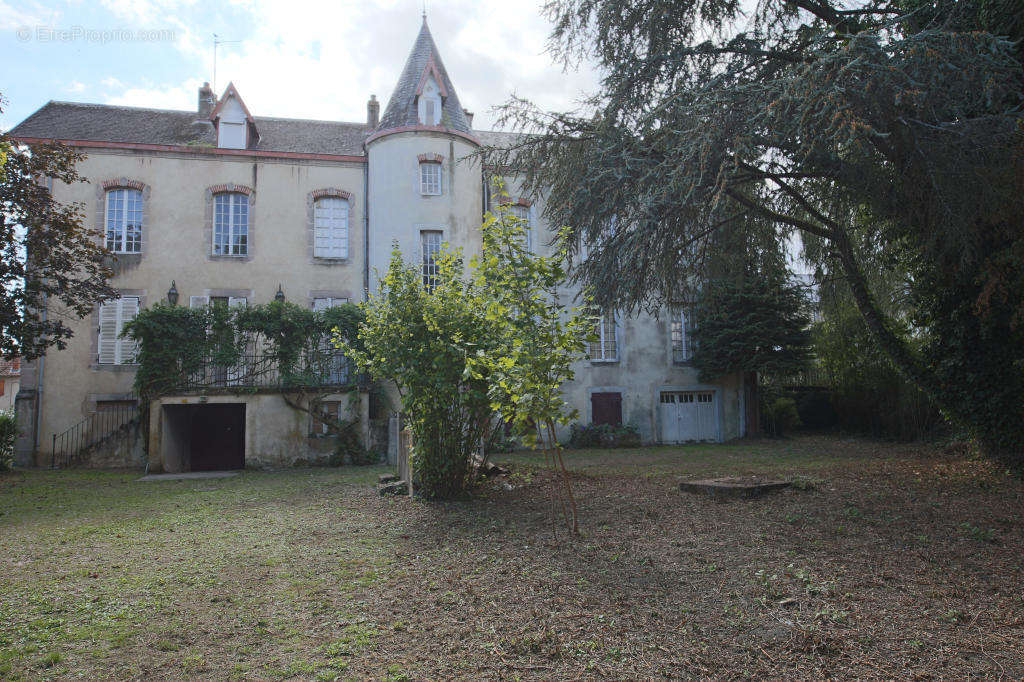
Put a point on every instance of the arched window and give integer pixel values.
(230, 224)
(330, 227)
(124, 220)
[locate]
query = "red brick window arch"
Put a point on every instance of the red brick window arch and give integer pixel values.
(431, 174)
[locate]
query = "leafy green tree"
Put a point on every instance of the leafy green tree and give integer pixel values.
(52, 267)
(469, 351)
(805, 113)
(537, 338)
(421, 337)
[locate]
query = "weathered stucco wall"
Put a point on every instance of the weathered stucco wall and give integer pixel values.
(276, 435)
(398, 210)
(177, 246)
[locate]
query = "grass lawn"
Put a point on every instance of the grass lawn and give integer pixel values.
(890, 561)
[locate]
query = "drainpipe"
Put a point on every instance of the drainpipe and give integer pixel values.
(39, 393)
(366, 224)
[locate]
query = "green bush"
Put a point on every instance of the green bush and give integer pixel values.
(8, 434)
(349, 448)
(604, 436)
(781, 416)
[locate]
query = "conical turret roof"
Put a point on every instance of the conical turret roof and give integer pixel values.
(424, 60)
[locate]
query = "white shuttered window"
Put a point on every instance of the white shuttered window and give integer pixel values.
(330, 228)
(114, 315)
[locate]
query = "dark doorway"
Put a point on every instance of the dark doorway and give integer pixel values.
(217, 438)
(606, 408)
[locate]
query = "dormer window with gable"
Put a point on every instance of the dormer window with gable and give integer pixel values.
(236, 128)
(430, 103)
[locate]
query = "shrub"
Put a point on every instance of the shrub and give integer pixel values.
(8, 434)
(604, 436)
(349, 448)
(781, 416)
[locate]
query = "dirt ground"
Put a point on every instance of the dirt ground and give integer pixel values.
(887, 561)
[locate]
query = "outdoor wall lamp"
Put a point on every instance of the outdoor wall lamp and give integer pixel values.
(279, 296)
(172, 294)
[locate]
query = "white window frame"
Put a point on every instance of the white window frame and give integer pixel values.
(325, 302)
(428, 187)
(523, 213)
(113, 316)
(681, 334)
(330, 229)
(231, 231)
(117, 224)
(607, 343)
(431, 242)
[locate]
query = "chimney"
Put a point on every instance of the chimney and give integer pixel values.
(373, 112)
(207, 100)
(469, 117)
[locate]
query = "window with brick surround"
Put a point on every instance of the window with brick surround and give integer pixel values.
(431, 178)
(330, 227)
(113, 316)
(230, 224)
(124, 220)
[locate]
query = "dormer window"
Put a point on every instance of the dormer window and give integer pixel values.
(236, 128)
(430, 103)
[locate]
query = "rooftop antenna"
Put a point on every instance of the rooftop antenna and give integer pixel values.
(217, 41)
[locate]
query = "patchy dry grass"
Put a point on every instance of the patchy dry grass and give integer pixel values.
(888, 561)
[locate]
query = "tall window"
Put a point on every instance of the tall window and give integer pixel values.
(430, 177)
(604, 348)
(231, 224)
(330, 228)
(124, 220)
(430, 245)
(334, 365)
(682, 334)
(114, 315)
(523, 214)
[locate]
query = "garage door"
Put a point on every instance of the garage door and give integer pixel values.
(688, 416)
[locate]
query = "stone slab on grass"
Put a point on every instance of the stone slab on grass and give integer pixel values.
(734, 488)
(189, 476)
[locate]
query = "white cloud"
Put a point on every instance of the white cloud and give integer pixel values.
(26, 15)
(325, 60)
(75, 87)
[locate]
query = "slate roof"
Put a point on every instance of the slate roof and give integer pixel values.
(104, 123)
(401, 109)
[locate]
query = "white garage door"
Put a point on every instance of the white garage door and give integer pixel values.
(687, 416)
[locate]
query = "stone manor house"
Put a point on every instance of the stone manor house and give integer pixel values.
(235, 208)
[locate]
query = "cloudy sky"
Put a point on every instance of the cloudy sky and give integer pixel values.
(318, 59)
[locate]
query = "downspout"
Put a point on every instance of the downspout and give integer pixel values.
(39, 394)
(366, 224)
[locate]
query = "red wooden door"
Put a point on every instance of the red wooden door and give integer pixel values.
(607, 408)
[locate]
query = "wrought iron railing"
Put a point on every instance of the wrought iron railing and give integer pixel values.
(71, 446)
(260, 371)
